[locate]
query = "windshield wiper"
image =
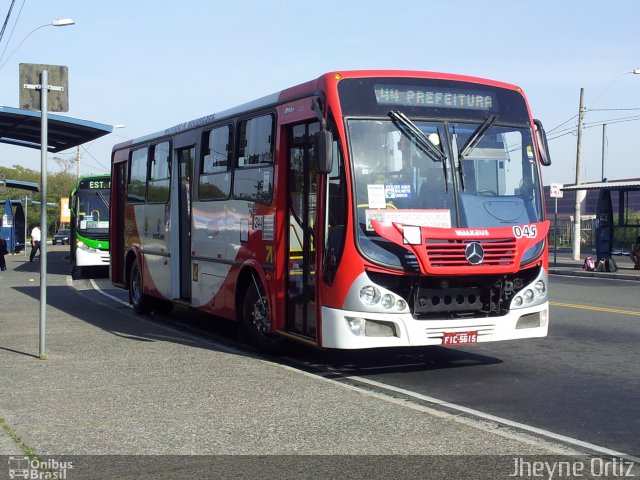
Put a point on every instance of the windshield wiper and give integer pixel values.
(414, 133)
(103, 198)
(476, 136)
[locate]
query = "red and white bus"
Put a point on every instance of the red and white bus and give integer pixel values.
(361, 209)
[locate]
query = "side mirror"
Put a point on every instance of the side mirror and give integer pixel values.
(323, 147)
(543, 146)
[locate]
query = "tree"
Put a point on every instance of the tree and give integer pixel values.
(66, 164)
(59, 185)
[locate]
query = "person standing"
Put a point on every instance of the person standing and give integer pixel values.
(634, 254)
(35, 242)
(3, 252)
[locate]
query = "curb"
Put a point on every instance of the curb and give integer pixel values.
(582, 273)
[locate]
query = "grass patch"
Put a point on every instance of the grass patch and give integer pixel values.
(30, 452)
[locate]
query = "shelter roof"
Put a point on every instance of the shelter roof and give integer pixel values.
(618, 185)
(22, 127)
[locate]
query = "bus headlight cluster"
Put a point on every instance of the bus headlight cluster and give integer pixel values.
(86, 248)
(531, 293)
(362, 327)
(370, 296)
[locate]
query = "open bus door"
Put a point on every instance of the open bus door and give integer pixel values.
(304, 222)
(185, 162)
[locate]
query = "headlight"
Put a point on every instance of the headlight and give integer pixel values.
(540, 288)
(356, 325)
(387, 301)
(369, 295)
(86, 248)
(528, 295)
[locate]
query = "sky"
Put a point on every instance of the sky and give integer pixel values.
(149, 65)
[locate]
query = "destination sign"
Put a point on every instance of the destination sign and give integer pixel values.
(95, 184)
(423, 96)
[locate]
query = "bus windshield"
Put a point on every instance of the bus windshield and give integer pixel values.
(441, 174)
(93, 211)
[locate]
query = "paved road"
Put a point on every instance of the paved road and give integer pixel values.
(115, 383)
(582, 381)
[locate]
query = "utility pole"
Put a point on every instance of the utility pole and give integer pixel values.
(78, 161)
(604, 148)
(580, 194)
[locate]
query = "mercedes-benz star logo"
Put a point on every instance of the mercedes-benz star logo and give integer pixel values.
(474, 253)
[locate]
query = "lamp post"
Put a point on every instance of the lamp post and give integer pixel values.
(604, 148)
(59, 22)
(580, 194)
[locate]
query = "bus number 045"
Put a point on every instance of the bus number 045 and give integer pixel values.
(529, 231)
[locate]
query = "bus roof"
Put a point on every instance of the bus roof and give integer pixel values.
(308, 88)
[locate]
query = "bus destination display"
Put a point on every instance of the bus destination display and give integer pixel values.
(94, 184)
(416, 96)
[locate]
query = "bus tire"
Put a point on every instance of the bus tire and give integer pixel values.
(140, 302)
(256, 321)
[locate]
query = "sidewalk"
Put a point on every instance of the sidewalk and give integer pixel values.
(566, 265)
(117, 384)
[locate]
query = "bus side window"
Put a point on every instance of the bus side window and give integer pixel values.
(215, 173)
(158, 189)
(137, 184)
(253, 176)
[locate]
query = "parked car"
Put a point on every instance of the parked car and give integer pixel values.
(62, 237)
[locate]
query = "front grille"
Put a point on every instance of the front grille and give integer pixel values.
(451, 253)
(431, 300)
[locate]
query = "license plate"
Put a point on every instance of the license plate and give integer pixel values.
(460, 338)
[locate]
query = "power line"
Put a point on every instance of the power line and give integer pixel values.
(6, 20)
(611, 109)
(558, 126)
(613, 121)
(573, 130)
(12, 30)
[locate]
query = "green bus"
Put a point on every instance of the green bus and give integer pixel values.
(89, 207)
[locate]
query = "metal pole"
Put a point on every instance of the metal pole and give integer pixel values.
(555, 234)
(604, 142)
(580, 194)
(44, 141)
(26, 223)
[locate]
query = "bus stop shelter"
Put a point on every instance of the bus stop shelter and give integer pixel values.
(605, 218)
(23, 128)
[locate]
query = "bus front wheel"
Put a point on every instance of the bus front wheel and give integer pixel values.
(256, 320)
(138, 300)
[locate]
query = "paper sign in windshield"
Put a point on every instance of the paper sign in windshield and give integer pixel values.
(376, 196)
(421, 218)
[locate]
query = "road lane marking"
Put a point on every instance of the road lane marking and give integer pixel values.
(500, 420)
(112, 297)
(597, 309)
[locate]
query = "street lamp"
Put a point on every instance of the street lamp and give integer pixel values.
(580, 194)
(58, 22)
